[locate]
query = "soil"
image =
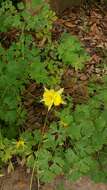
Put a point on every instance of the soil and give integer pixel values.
(20, 180)
(82, 184)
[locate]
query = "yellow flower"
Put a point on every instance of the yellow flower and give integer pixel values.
(64, 124)
(20, 143)
(52, 97)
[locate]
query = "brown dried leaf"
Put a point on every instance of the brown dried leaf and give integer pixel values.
(69, 24)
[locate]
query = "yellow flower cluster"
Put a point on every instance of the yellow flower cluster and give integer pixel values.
(52, 97)
(20, 143)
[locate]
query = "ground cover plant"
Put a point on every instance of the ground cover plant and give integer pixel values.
(72, 137)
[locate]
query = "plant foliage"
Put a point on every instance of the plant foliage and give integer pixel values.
(74, 143)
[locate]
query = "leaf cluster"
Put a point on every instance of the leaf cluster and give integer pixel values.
(75, 145)
(71, 52)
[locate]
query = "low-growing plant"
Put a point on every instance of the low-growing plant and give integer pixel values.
(75, 142)
(71, 52)
(25, 59)
(13, 77)
(75, 145)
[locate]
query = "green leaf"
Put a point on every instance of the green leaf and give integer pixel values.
(38, 72)
(74, 175)
(71, 52)
(30, 161)
(71, 157)
(99, 176)
(87, 128)
(74, 131)
(20, 6)
(56, 169)
(100, 123)
(36, 3)
(47, 176)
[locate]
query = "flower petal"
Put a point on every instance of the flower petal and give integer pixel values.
(60, 91)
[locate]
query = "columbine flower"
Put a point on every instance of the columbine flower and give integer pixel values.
(52, 97)
(20, 143)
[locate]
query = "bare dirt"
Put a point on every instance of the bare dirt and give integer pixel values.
(83, 184)
(20, 180)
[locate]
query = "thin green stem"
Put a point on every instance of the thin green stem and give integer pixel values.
(37, 169)
(45, 122)
(31, 181)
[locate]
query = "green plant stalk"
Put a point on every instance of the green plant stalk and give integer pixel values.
(37, 169)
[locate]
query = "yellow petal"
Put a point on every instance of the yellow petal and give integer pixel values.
(48, 98)
(52, 97)
(20, 143)
(58, 100)
(60, 91)
(46, 90)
